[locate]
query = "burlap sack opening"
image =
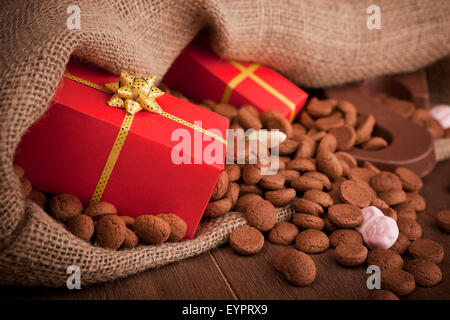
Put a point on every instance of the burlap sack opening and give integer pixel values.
(314, 43)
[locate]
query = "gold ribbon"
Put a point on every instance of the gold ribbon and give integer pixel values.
(249, 72)
(126, 125)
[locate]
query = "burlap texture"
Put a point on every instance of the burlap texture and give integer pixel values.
(314, 43)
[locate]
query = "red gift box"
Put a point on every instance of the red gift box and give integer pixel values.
(73, 146)
(200, 74)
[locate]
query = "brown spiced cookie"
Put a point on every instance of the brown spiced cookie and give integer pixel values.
(401, 245)
(245, 200)
(319, 176)
(81, 226)
(287, 147)
(327, 144)
(374, 143)
(319, 197)
(320, 108)
(312, 241)
(100, 209)
(393, 197)
(345, 236)
(385, 181)
(281, 124)
(38, 197)
(364, 128)
(280, 198)
(361, 174)
(410, 181)
(351, 192)
(329, 165)
(345, 215)
(415, 201)
(330, 122)
(306, 148)
(233, 171)
(283, 233)
(307, 221)
(227, 110)
(277, 259)
(370, 166)
(26, 186)
(298, 268)
(389, 212)
(131, 239)
(289, 175)
(178, 226)
(426, 249)
(251, 174)
(407, 213)
(261, 214)
(345, 136)
(232, 193)
(306, 120)
(272, 182)
(425, 272)
(350, 254)
(309, 207)
(304, 183)
(385, 259)
(18, 170)
(382, 295)
(248, 119)
(399, 282)
(443, 220)
(249, 188)
(65, 206)
(151, 229)
(110, 232)
(221, 186)
(246, 240)
(348, 158)
(410, 228)
(380, 204)
(302, 165)
(128, 220)
(218, 208)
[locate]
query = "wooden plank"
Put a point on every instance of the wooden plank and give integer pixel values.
(254, 277)
(194, 278)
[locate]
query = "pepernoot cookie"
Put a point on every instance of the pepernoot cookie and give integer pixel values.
(18, 170)
(298, 268)
(309, 207)
(38, 197)
(312, 241)
(246, 240)
(245, 200)
(261, 214)
(399, 282)
(81, 226)
(401, 245)
(233, 172)
(382, 295)
(351, 192)
(345, 236)
(277, 259)
(319, 197)
(128, 220)
(178, 226)
(221, 186)
(393, 197)
(232, 193)
(329, 164)
(426, 249)
(218, 208)
(110, 232)
(280, 198)
(425, 272)
(350, 254)
(100, 209)
(251, 174)
(345, 215)
(385, 259)
(65, 206)
(345, 136)
(131, 239)
(283, 233)
(385, 181)
(303, 183)
(151, 229)
(307, 221)
(410, 181)
(26, 187)
(272, 182)
(443, 220)
(326, 183)
(410, 228)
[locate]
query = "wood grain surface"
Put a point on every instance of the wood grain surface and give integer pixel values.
(221, 274)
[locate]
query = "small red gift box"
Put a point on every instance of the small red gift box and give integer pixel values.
(84, 147)
(200, 74)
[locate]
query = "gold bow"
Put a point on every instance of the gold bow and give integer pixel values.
(134, 93)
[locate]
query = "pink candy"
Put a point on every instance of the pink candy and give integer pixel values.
(378, 230)
(442, 114)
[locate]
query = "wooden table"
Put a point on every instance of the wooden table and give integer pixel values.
(221, 274)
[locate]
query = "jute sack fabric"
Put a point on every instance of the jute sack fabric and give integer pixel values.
(314, 43)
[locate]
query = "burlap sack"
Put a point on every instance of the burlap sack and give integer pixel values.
(314, 43)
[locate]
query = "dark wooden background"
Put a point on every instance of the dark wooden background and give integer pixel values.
(221, 274)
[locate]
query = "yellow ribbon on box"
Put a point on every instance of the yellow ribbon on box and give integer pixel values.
(132, 94)
(248, 72)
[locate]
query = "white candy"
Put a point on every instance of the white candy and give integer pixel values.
(378, 230)
(442, 114)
